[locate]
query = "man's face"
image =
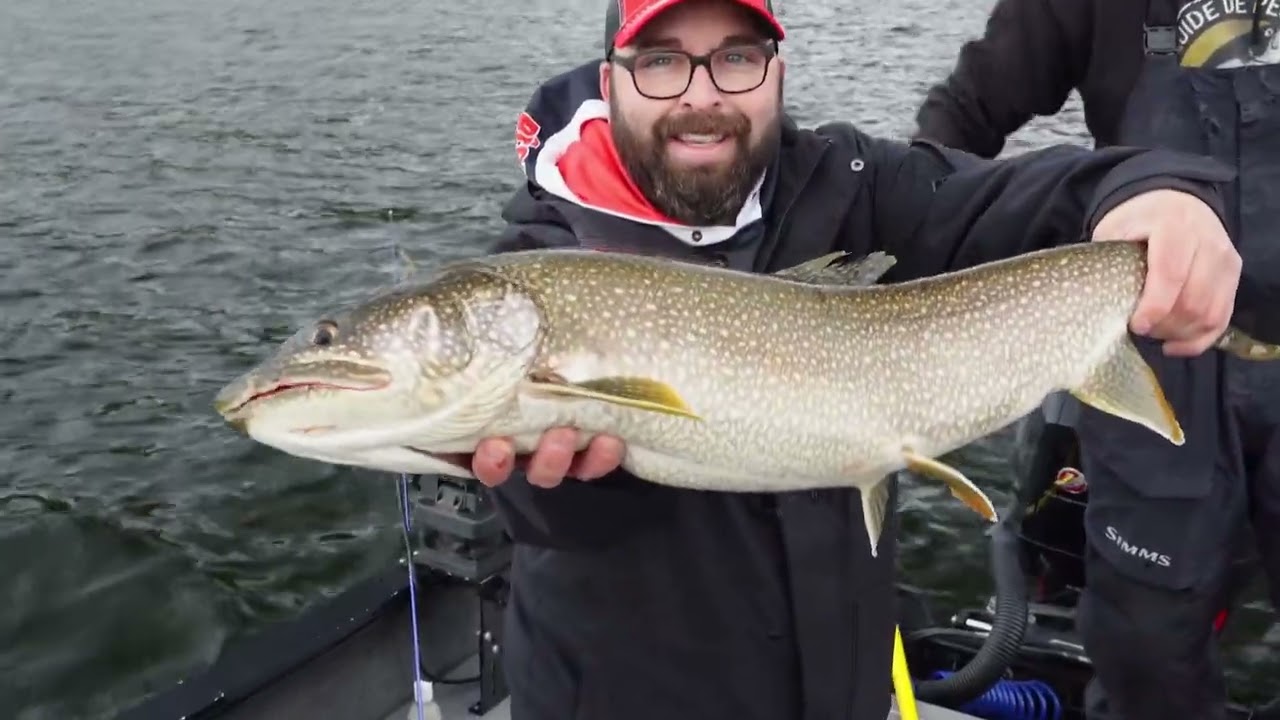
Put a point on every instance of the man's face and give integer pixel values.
(698, 155)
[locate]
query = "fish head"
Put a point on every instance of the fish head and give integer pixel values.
(387, 382)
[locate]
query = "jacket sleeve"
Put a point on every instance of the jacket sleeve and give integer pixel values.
(1255, 312)
(575, 514)
(1032, 54)
(939, 209)
(532, 222)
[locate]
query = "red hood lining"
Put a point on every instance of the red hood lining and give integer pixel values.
(593, 170)
(580, 163)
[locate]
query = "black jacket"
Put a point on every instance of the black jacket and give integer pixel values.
(1032, 55)
(633, 600)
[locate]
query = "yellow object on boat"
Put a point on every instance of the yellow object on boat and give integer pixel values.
(902, 680)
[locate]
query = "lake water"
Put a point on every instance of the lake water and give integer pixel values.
(182, 182)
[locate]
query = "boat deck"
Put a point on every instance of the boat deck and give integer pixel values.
(350, 659)
(455, 701)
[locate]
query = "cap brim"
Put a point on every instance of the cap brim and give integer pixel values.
(632, 27)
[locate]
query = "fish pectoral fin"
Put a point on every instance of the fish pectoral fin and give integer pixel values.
(875, 503)
(1126, 387)
(961, 487)
(829, 270)
(633, 392)
(1238, 343)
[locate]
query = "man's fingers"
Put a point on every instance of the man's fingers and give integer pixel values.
(1185, 317)
(1188, 348)
(601, 457)
(555, 458)
(1192, 268)
(550, 462)
(493, 461)
(1204, 308)
(1112, 227)
(1168, 265)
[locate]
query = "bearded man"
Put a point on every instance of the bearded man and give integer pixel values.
(631, 600)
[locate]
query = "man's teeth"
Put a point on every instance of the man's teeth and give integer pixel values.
(691, 139)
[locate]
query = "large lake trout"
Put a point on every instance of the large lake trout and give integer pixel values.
(814, 377)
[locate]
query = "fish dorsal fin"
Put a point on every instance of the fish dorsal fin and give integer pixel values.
(834, 269)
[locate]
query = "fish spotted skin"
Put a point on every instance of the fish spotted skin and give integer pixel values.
(717, 379)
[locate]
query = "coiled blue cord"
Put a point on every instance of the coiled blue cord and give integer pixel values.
(1013, 700)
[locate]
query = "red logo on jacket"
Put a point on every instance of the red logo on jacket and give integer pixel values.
(527, 130)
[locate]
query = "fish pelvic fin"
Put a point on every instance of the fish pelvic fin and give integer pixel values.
(875, 504)
(1126, 387)
(961, 487)
(633, 392)
(1236, 342)
(830, 270)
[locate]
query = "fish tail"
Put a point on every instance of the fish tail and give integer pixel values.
(1236, 342)
(1125, 386)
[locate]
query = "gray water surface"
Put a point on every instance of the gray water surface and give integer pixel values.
(183, 182)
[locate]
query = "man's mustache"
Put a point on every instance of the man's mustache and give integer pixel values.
(702, 123)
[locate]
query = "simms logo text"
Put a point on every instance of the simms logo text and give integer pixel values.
(1149, 555)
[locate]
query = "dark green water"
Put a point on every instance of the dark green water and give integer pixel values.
(180, 183)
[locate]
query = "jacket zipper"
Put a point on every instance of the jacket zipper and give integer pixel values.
(769, 245)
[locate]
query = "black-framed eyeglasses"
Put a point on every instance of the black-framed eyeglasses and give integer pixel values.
(665, 74)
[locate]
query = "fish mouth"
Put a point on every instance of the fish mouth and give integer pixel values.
(460, 463)
(232, 402)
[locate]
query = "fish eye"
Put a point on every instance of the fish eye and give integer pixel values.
(325, 332)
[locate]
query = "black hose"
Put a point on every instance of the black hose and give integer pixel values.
(1007, 630)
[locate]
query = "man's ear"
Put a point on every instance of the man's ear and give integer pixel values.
(605, 70)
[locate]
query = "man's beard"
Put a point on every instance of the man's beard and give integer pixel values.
(700, 195)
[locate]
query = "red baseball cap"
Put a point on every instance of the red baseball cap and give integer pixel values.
(625, 18)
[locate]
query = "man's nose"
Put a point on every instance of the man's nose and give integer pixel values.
(702, 91)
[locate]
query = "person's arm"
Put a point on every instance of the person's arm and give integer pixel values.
(939, 209)
(1032, 54)
(532, 222)
(575, 514)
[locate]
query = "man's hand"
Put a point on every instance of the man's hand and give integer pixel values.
(553, 460)
(1192, 268)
